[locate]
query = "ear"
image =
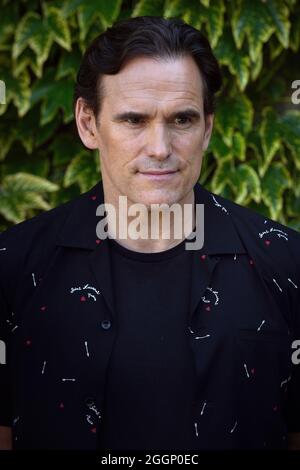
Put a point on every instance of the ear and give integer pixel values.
(86, 126)
(209, 122)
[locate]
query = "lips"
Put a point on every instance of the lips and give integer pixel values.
(166, 172)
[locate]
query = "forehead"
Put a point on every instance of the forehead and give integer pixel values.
(146, 80)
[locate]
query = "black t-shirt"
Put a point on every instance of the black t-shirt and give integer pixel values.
(151, 378)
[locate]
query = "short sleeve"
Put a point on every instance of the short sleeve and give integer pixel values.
(5, 383)
(293, 389)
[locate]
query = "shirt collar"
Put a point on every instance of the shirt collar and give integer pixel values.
(220, 234)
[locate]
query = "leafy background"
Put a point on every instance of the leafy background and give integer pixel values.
(254, 155)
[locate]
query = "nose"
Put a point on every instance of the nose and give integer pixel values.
(158, 142)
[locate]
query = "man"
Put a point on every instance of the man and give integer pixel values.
(141, 343)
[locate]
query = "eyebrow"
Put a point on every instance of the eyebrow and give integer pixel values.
(188, 112)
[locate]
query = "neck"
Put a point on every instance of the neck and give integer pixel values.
(150, 229)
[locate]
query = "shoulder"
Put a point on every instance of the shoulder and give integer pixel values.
(22, 235)
(245, 215)
(269, 241)
(29, 242)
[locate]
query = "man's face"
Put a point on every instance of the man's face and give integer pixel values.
(151, 119)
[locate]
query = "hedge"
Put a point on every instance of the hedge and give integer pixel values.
(254, 155)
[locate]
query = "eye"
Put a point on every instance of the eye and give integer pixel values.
(133, 121)
(183, 120)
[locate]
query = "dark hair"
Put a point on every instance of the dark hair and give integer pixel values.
(151, 36)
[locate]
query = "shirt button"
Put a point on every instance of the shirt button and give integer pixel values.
(106, 324)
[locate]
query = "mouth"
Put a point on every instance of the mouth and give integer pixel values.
(158, 175)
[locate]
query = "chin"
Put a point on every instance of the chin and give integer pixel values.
(159, 197)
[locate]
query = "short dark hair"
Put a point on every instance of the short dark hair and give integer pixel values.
(152, 36)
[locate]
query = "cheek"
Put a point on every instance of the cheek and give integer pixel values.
(112, 148)
(124, 142)
(189, 143)
(189, 150)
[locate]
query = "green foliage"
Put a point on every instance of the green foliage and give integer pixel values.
(254, 154)
(21, 192)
